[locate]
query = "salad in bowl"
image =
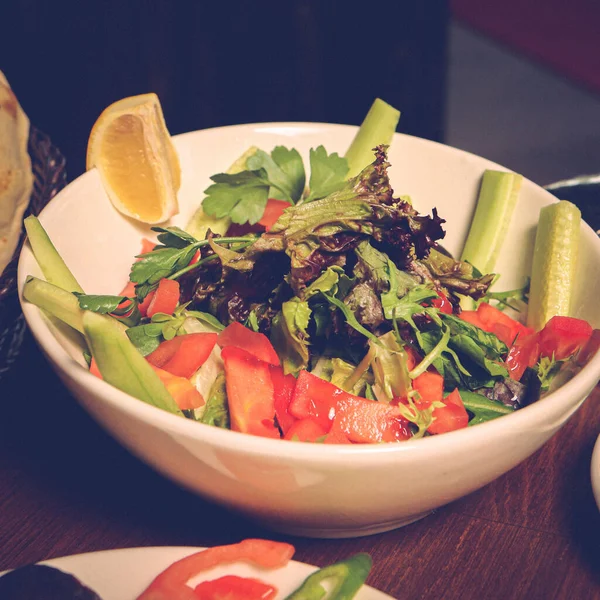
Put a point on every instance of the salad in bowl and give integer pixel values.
(318, 319)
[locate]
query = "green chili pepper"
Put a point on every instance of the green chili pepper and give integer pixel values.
(346, 576)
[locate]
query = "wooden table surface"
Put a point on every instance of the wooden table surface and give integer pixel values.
(66, 487)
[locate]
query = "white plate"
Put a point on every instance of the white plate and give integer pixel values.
(124, 574)
(596, 471)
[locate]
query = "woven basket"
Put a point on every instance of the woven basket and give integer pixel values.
(49, 177)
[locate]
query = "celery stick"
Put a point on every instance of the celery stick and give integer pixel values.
(53, 266)
(497, 200)
(55, 301)
(554, 263)
(200, 222)
(377, 128)
(121, 364)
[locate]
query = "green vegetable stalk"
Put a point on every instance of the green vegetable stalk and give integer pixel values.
(121, 364)
(377, 128)
(554, 263)
(497, 200)
(53, 266)
(346, 577)
(55, 301)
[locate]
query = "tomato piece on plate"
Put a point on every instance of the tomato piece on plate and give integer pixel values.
(165, 299)
(471, 316)
(250, 393)
(563, 336)
(181, 389)
(94, 370)
(442, 303)
(368, 421)
(171, 583)
(232, 587)
(525, 352)
(257, 344)
(430, 387)
(500, 324)
(450, 417)
(306, 430)
(184, 354)
(147, 246)
(283, 388)
(315, 398)
(273, 210)
(589, 350)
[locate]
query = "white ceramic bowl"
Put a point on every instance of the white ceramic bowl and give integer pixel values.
(308, 489)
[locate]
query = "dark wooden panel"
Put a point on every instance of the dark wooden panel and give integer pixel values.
(219, 63)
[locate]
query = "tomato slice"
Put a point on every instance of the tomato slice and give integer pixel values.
(283, 388)
(315, 398)
(369, 422)
(273, 211)
(472, 316)
(589, 350)
(430, 387)
(165, 299)
(181, 389)
(563, 336)
(250, 393)
(171, 583)
(184, 354)
(255, 343)
(525, 352)
(442, 303)
(94, 370)
(500, 324)
(232, 587)
(451, 417)
(306, 430)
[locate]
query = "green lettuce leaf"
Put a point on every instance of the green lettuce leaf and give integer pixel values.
(482, 408)
(216, 411)
(327, 173)
(289, 335)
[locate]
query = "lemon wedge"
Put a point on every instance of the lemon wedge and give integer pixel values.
(131, 147)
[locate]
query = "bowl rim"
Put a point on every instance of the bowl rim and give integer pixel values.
(564, 400)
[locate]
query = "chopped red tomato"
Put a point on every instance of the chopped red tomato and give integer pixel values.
(257, 344)
(195, 258)
(165, 299)
(306, 430)
(273, 211)
(250, 393)
(500, 324)
(368, 421)
(589, 350)
(147, 246)
(451, 417)
(336, 436)
(315, 398)
(232, 587)
(144, 305)
(525, 352)
(430, 387)
(283, 388)
(442, 303)
(94, 370)
(181, 389)
(563, 336)
(171, 583)
(184, 354)
(472, 316)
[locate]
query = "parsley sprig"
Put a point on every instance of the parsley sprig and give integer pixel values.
(243, 196)
(172, 258)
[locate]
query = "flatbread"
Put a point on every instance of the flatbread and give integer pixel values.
(16, 178)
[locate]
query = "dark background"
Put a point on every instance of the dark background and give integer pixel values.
(224, 62)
